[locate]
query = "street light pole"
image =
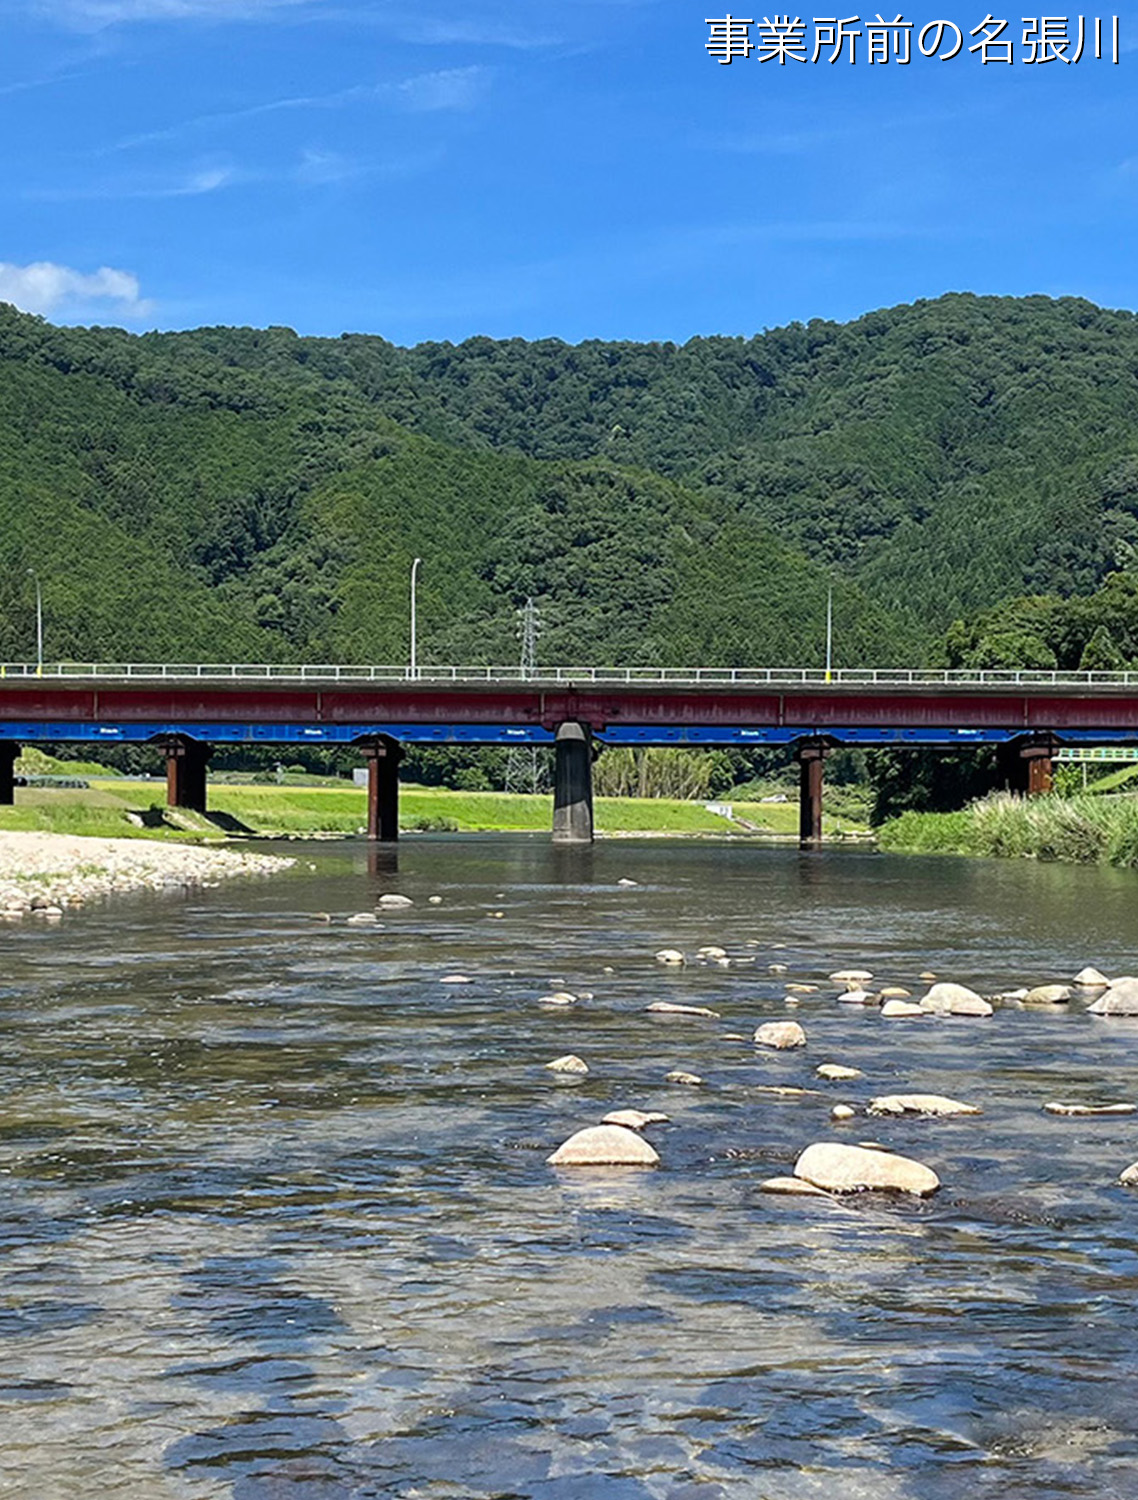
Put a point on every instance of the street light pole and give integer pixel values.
(414, 571)
(829, 632)
(39, 622)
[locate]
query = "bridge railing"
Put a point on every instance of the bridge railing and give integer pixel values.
(899, 677)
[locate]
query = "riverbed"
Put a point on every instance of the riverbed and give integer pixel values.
(277, 1219)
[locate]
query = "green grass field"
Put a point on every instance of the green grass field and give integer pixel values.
(110, 807)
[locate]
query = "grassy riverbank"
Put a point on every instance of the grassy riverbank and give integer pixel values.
(1084, 829)
(118, 807)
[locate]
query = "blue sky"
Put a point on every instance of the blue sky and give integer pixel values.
(433, 169)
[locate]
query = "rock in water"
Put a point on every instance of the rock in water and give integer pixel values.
(1058, 1107)
(842, 1112)
(667, 1008)
(677, 1075)
(920, 1104)
(896, 992)
(1120, 999)
(558, 997)
(780, 1035)
(604, 1146)
(712, 952)
(570, 1063)
(363, 919)
(895, 1009)
(634, 1119)
(954, 1000)
(851, 976)
(670, 956)
(802, 989)
(1047, 994)
(792, 1187)
(1091, 979)
(391, 902)
(857, 997)
(837, 1071)
(1129, 1178)
(853, 1169)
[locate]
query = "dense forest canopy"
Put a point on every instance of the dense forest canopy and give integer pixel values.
(235, 493)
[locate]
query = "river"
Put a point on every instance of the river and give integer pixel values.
(277, 1224)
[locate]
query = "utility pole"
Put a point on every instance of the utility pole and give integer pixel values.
(523, 769)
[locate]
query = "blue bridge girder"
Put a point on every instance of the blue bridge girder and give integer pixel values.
(32, 731)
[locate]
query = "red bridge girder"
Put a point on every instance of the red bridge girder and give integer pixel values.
(1023, 710)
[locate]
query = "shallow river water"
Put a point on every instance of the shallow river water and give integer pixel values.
(276, 1221)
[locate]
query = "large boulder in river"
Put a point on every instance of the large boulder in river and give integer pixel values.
(780, 1035)
(946, 999)
(1120, 999)
(605, 1146)
(1047, 994)
(853, 1169)
(920, 1104)
(893, 1009)
(1091, 979)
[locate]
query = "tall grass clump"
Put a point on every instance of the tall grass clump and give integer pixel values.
(1084, 829)
(1053, 828)
(927, 833)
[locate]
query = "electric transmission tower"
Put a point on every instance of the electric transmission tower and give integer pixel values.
(523, 768)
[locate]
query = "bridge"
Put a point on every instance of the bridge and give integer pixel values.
(186, 710)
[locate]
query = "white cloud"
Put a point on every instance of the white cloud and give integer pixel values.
(422, 93)
(47, 288)
(448, 88)
(195, 184)
(94, 15)
(472, 33)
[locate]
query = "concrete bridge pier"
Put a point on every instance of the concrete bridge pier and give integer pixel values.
(573, 784)
(186, 762)
(383, 755)
(8, 753)
(811, 762)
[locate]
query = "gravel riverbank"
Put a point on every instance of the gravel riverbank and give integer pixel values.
(50, 873)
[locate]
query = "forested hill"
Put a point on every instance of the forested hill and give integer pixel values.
(235, 492)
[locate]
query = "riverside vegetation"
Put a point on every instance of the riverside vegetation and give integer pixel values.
(1081, 829)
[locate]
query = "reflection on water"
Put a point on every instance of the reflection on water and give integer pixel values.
(276, 1218)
